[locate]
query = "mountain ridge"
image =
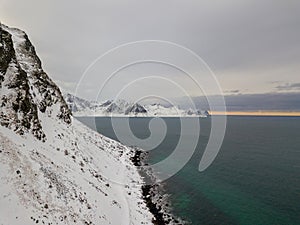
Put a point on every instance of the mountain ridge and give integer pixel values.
(25, 83)
(121, 107)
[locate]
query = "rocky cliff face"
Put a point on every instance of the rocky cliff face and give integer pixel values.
(135, 109)
(26, 90)
(53, 169)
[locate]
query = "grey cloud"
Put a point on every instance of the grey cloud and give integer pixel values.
(288, 87)
(250, 37)
(233, 91)
(253, 102)
(270, 101)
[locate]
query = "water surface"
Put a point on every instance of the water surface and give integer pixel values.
(255, 178)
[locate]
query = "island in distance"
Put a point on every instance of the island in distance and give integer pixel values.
(121, 107)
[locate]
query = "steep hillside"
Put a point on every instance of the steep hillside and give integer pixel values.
(54, 170)
(26, 90)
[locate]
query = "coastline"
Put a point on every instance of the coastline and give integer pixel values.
(255, 113)
(154, 194)
(141, 116)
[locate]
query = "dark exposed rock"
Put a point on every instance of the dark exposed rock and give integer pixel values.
(135, 109)
(113, 107)
(158, 215)
(27, 90)
(106, 103)
(18, 110)
(153, 193)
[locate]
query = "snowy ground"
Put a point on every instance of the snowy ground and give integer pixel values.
(76, 177)
(53, 169)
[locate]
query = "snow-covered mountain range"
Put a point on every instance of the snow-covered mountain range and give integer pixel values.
(53, 169)
(120, 107)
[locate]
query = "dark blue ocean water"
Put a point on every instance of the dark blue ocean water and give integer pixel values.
(255, 178)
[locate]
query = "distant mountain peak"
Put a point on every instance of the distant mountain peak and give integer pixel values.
(135, 109)
(121, 107)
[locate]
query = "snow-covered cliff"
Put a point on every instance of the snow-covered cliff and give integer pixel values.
(53, 169)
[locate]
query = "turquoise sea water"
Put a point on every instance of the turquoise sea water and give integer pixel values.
(255, 178)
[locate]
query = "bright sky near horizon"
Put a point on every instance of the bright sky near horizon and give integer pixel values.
(252, 46)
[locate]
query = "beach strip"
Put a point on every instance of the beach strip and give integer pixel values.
(254, 113)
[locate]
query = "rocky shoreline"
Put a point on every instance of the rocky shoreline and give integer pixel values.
(153, 193)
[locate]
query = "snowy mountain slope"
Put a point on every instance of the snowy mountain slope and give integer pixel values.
(81, 107)
(66, 180)
(53, 169)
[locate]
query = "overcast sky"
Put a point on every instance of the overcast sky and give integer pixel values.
(252, 46)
